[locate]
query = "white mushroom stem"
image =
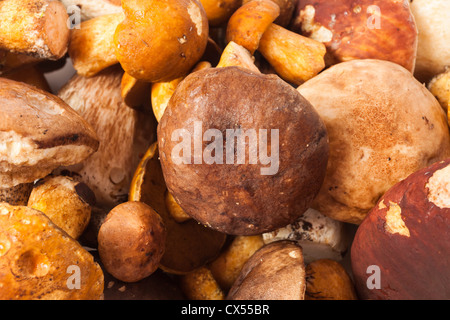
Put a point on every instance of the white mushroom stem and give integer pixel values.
(320, 236)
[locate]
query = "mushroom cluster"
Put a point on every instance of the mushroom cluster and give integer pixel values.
(224, 149)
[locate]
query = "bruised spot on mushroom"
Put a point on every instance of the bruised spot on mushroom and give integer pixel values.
(196, 16)
(394, 222)
(439, 188)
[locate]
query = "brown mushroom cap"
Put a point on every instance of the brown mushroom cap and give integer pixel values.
(39, 132)
(238, 198)
(274, 272)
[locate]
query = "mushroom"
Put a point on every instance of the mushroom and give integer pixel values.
(170, 37)
(10, 61)
(319, 236)
(242, 104)
(124, 134)
(34, 27)
(294, 57)
(89, 9)
(439, 86)
(200, 284)
(433, 54)
(39, 261)
(219, 11)
(383, 125)
(400, 251)
(361, 29)
(39, 133)
(131, 241)
(65, 201)
(135, 93)
(274, 272)
(287, 8)
(327, 279)
(91, 47)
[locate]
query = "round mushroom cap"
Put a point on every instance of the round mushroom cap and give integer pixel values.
(383, 125)
(433, 50)
(235, 187)
(38, 132)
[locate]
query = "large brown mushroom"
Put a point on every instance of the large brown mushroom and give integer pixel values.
(39, 133)
(220, 182)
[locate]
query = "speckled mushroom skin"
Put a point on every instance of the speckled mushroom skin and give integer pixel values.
(407, 235)
(349, 29)
(238, 199)
(38, 133)
(382, 124)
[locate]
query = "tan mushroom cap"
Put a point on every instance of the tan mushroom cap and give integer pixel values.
(38, 133)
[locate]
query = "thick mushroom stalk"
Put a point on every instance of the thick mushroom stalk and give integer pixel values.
(294, 57)
(34, 27)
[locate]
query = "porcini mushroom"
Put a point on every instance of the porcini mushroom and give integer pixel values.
(244, 105)
(39, 133)
(124, 134)
(294, 57)
(34, 27)
(169, 36)
(362, 29)
(383, 125)
(433, 54)
(400, 251)
(274, 272)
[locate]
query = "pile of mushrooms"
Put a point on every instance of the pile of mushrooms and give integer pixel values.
(224, 149)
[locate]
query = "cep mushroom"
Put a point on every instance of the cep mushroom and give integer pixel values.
(34, 27)
(244, 105)
(383, 125)
(400, 251)
(362, 29)
(294, 57)
(433, 52)
(274, 272)
(39, 261)
(39, 133)
(124, 134)
(161, 40)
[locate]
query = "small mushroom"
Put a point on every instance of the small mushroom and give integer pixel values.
(200, 284)
(439, 86)
(65, 201)
(40, 31)
(39, 133)
(131, 241)
(170, 37)
(274, 272)
(294, 57)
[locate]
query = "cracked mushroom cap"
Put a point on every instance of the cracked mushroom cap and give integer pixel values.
(38, 133)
